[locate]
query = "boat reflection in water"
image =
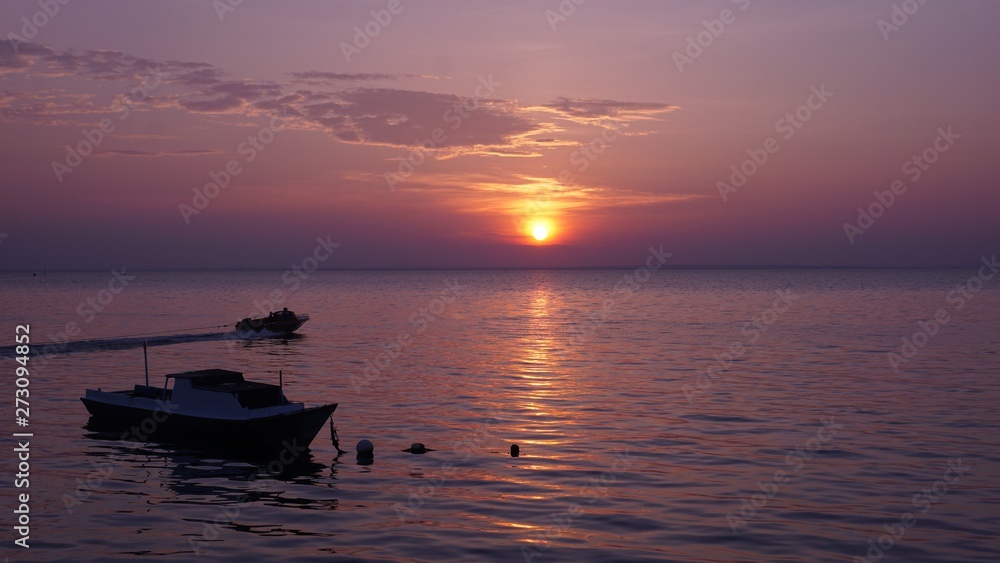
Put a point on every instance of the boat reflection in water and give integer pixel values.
(190, 470)
(205, 496)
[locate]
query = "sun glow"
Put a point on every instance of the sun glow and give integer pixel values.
(540, 231)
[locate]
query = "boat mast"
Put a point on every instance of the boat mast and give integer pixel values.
(145, 361)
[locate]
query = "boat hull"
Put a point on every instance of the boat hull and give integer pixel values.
(249, 327)
(292, 431)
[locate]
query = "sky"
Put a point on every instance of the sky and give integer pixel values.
(448, 134)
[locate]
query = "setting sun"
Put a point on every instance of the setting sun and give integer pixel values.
(540, 231)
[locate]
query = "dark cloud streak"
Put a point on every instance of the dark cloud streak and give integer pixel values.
(377, 116)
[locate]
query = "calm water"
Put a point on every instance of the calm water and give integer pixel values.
(641, 438)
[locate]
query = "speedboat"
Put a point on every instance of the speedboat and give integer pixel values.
(282, 322)
(214, 408)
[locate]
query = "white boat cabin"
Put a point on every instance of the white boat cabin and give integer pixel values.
(215, 393)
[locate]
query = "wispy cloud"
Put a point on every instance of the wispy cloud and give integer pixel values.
(517, 195)
(361, 115)
(321, 78)
(155, 154)
(229, 96)
(594, 111)
(46, 107)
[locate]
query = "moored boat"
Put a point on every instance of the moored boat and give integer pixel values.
(213, 408)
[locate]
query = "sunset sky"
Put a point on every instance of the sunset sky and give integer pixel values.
(445, 134)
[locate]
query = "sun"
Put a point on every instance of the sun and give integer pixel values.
(540, 230)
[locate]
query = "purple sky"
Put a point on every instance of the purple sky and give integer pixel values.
(616, 126)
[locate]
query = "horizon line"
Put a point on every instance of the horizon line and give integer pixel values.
(512, 268)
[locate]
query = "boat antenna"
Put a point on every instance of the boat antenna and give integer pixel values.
(145, 361)
(281, 385)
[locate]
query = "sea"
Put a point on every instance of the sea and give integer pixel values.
(677, 415)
